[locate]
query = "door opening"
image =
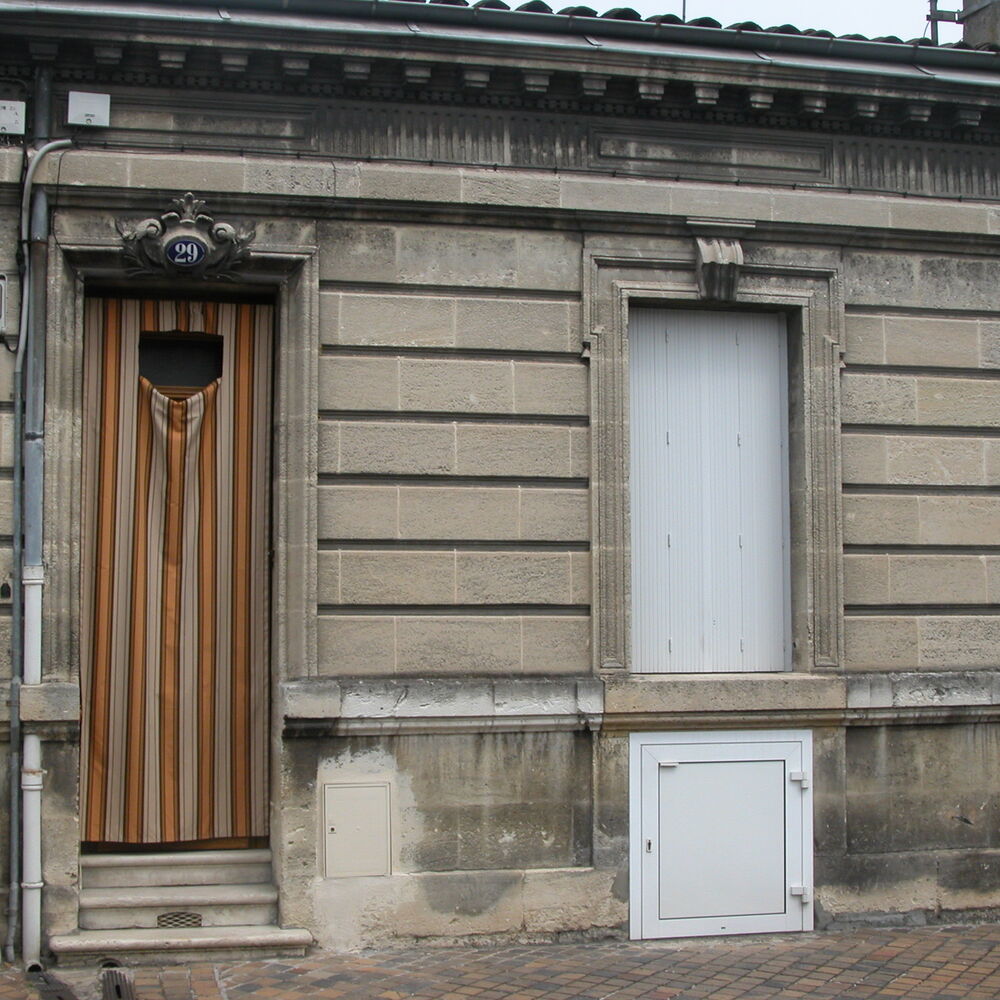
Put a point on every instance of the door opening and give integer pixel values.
(175, 583)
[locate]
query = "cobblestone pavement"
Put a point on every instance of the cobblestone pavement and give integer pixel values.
(934, 963)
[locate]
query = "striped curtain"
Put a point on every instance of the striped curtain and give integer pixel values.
(175, 583)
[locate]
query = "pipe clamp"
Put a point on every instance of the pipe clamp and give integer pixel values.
(31, 780)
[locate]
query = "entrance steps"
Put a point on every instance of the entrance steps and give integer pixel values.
(176, 906)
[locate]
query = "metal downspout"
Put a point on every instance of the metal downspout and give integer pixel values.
(14, 744)
(29, 402)
(32, 579)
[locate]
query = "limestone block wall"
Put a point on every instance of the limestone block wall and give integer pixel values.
(453, 512)
(491, 835)
(920, 407)
(921, 458)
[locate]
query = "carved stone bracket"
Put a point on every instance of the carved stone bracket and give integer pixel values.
(184, 242)
(720, 263)
(719, 257)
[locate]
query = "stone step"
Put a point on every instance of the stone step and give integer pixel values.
(179, 945)
(101, 871)
(142, 906)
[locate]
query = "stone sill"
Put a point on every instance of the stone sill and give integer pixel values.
(375, 706)
(715, 693)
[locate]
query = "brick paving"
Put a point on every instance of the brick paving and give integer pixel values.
(932, 963)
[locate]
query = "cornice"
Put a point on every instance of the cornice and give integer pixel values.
(694, 84)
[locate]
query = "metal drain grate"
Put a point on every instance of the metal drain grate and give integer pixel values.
(178, 918)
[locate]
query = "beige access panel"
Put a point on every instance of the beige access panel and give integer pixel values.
(356, 833)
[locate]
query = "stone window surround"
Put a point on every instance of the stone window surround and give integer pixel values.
(663, 274)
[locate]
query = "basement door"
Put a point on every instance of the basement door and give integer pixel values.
(721, 833)
(174, 589)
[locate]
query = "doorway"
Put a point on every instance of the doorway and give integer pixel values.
(174, 588)
(721, 833)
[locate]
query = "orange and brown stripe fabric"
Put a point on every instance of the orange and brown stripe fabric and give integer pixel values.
(175, 589)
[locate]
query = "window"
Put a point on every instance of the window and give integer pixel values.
(709, 491)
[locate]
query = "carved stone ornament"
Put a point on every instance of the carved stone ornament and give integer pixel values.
(720, 263)
(184, 242)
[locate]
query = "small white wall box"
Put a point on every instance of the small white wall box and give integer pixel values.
(89, 109)
(11, 117)
(356, 829)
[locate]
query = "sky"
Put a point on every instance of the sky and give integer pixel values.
(905, 18)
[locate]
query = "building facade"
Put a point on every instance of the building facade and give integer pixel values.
(494, 474)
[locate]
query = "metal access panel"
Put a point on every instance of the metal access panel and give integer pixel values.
(356, 831)
(721, 833)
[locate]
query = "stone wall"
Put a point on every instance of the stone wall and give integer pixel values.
(921, 460)
(453, 453)
(491, 836)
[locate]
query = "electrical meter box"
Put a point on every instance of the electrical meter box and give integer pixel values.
(11, 117)
(356, 838)
(89, 109)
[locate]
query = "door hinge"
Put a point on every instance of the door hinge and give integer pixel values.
(801, 777)
(805, 891)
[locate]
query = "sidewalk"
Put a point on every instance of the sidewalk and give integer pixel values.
(934, 963)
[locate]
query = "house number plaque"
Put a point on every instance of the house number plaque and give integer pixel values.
(184, 241)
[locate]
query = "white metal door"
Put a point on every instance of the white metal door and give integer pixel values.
(721, 833)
